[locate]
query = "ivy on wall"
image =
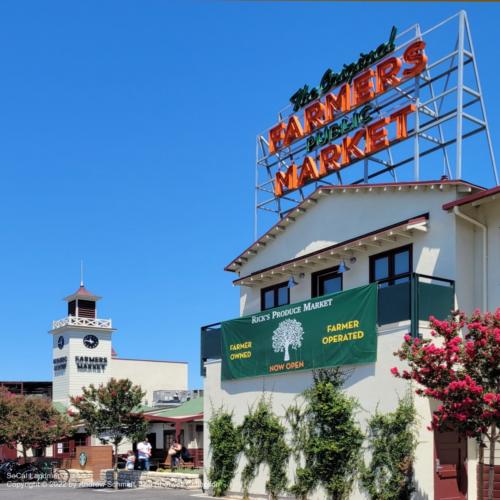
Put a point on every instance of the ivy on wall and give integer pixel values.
(392, 442)
(327, 438)
(325, 441)
(225, 447)
(263, 437)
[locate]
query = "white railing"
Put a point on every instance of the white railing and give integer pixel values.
(77, 321)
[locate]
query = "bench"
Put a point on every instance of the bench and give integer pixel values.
(167, 464)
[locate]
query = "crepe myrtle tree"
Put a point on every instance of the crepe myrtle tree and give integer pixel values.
(288, 334)
(463, 374)
(110, 411)
(31, 422)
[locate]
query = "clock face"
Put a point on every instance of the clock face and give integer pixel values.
(90, 341)
(60, 342)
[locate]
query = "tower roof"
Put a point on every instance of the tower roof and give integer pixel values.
(82, 293)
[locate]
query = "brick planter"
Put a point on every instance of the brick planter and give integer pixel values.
(496, 482)
(144, 479)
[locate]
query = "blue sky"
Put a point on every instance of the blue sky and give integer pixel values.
(127, 138)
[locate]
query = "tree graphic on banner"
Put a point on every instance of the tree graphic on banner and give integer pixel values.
(288, 334)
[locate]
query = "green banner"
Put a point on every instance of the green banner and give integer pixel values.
(332, 330)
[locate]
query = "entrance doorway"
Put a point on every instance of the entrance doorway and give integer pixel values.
(168, 439)
(450, 472)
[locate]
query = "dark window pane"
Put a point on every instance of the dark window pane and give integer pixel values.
(282, 296)
(402, 280)
(330, 284)
(80, 439)
(402, 262)
(269, 299)
(381, 269)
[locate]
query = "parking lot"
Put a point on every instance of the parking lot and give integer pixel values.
(46, 492)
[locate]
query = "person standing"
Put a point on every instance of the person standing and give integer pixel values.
(144, 454)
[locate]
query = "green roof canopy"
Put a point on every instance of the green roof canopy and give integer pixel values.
(188, 409)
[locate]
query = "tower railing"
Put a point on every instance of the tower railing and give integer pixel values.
(78, 321)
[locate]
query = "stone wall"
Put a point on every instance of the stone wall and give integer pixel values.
(144, 479)
(78, 476)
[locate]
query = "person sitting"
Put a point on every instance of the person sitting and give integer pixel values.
(130, 463)
(175, 453)
(185, 455)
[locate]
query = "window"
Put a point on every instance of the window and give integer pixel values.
(274, 296)
(199, 436)
(86, 309)
(392, 267)
(326, 281)
(152, 439)
(80, 439)
(72, 308)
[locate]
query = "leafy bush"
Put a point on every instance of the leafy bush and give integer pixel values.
(225, 446)
(263, 438)
(392, 442)
(327, 440)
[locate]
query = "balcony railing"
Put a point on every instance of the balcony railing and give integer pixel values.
(414, 297)
(85, 322)
(411, 296)
(210, 340)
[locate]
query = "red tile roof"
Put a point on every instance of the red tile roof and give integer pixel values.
(82, 293)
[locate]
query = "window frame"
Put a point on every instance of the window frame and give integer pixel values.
(275, 288)
(317, 275)
(391, 260)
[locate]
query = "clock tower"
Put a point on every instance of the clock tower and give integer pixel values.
(81, 347)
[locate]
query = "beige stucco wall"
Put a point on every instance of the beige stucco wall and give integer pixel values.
(341, 216)
(151, 375)
(487, 213)
(451, 248)
(372, 384)
(492, 218)
(71, 380)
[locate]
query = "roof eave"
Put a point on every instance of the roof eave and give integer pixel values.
(339, 251)
(475, 198)
(236, 264)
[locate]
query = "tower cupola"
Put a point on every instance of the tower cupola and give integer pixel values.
(82, 303)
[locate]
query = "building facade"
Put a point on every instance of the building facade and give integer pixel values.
(428, 247)
(82, 354)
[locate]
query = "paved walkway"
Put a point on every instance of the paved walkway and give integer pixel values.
(64, 493)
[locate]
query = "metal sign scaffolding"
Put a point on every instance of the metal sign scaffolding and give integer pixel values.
(449, 108)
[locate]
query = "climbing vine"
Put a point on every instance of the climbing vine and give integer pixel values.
(225, 447)
(327, 440)
(392, 442)
(263, 438)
